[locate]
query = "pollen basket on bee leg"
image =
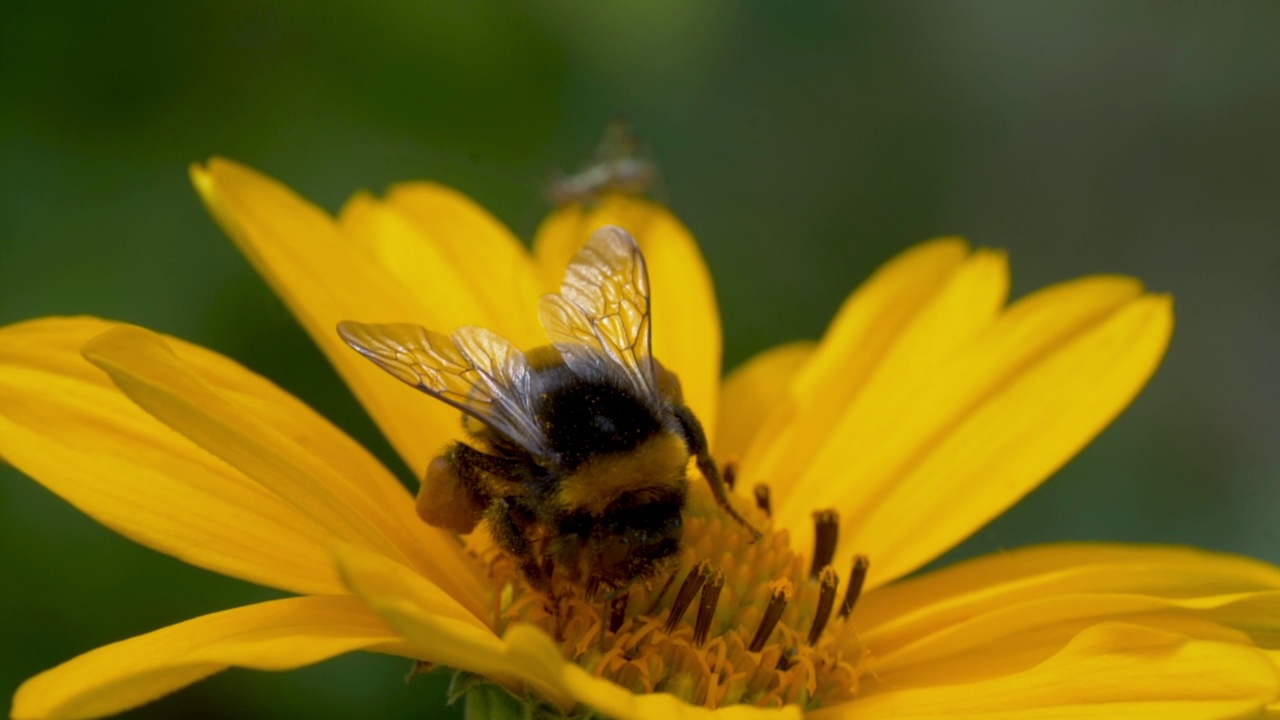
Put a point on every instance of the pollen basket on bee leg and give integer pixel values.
(445, 502)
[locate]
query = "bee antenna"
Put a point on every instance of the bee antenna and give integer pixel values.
(696, 439)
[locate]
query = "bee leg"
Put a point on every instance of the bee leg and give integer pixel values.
(508, 532)
(696, 440)
(475, 462)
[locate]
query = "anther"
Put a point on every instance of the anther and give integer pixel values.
(618, 611)
(856, 577)
(690, 587)
(826, 603)
(762, 498)
(826, 530)
(772, 613)
(730, 473)
(707, 607)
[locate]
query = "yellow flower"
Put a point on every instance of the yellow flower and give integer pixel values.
(928, 407)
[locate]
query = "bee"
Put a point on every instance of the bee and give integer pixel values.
(577, 453)
(619, 165)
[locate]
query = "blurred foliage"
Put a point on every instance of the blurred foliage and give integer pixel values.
(803, 143)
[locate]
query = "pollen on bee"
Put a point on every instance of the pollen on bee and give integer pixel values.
(443, 500)
(732, 621)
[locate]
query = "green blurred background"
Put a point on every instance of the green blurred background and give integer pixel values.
(803, 144)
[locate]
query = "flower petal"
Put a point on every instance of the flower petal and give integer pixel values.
(990, 621)
(1010, 638)
(1112, 580)
(966, 304)
(427, 619)
(435, 238)
(617, 702)
(64, 424)
(184, 393)
(864, 330)
(277, 635)
(752, 392)
(968, 410)
(998, 419)
(686, 321)
(325, 278)
(1113, 670)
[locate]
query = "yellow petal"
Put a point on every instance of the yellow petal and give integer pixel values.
(994, 421)
(995, 618)
(277, 635)
(752, 392)
(958, 386)
(616, 702)
(64, 424)
(964, 306)
(427, 619)
(324, 278)
(867, 326)
(180, 393)
(906, 613)
(418, 263)
(495, 266)
(686, 321)
(1113, 670)
(1007, 639)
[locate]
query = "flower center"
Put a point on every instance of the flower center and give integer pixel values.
(731, 621)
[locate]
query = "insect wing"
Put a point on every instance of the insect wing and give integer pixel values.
(475, 370)
(602, 309)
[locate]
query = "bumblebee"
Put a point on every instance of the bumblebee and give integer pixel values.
(577, 452)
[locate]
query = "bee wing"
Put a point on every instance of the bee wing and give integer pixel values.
(602, 309)
(475, 370)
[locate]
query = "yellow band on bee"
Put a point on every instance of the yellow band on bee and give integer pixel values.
(657, 462)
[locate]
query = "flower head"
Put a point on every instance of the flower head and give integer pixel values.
(928, 407)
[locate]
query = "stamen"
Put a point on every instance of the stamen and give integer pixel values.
(826, 603)
(707, 607)
(765, 632)
(593, 587)
(856, 577)
(762, 498)
(730, 473)
(826, 530)
(777, 603)
(690, 587)
(618, 611)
